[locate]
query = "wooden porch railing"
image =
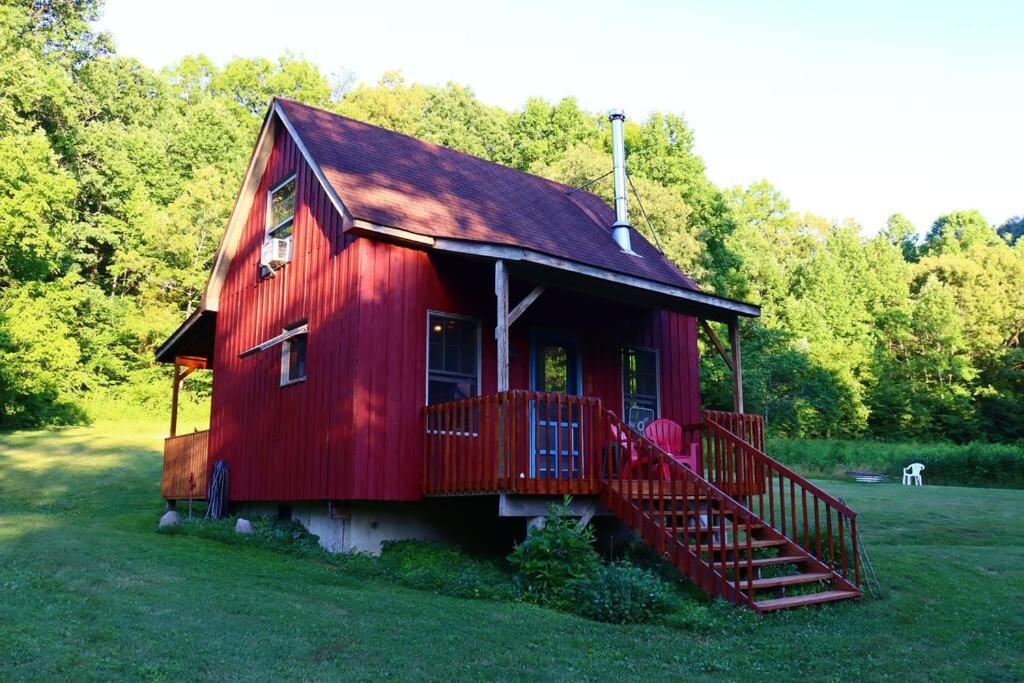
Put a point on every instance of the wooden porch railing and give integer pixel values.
(513, 441)
(185, 466)
(803, 512)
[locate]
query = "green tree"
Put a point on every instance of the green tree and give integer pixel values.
(900, 233)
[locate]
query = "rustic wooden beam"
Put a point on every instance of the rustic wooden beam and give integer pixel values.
(174, 399)
(737, 366)
(194, 362)
(710, 332)
(525, 303)
(501, 329)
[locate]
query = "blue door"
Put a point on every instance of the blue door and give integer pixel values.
(555, 433)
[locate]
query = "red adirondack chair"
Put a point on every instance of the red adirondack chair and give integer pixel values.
(668, 436)
(636, 461)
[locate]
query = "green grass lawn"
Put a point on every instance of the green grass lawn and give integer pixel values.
(89, 590)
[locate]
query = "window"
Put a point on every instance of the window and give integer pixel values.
(453, 358)
(281, 209)
(293, 358)
(639, 386)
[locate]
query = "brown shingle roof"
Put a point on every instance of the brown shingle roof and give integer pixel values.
(399, 181)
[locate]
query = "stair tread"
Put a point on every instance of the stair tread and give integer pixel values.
(714, 528)
(800, 600)
(791, 580)
(769, 561)
(742, 545)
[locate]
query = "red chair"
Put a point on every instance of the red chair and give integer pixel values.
(668, 436)
(636, 461)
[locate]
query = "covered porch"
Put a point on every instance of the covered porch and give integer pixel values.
(582, 361)
(185, 466)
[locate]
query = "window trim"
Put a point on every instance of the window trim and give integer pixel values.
(426, 346)
(268, 228)
(285, 358)
(657, 378)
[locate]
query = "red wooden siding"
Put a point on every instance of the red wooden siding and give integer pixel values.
(279, 440)
(352, 430)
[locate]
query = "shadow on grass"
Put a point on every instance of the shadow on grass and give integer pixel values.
(78, 468)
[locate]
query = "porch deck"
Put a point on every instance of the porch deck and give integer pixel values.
(185, 466)
(530, 442)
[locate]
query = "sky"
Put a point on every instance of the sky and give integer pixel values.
(852, 109)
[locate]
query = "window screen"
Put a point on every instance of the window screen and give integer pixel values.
(282, 209)
(639, 386)
(453, 360)
(293, 359)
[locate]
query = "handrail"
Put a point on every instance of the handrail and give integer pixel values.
(779, 467)
(763, 476)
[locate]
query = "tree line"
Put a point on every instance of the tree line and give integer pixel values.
(116, 181)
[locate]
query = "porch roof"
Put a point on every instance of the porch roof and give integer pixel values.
(194, 337)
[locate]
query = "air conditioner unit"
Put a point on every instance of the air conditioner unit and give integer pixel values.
(276, 252)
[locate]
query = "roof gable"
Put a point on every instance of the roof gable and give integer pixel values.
(397, 181)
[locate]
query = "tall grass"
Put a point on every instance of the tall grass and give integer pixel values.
(973, 464)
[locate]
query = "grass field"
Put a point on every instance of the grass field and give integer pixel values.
(91, 591)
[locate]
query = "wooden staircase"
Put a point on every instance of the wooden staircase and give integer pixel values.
(716, 538)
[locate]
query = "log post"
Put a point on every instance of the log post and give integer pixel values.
(174, 399)
(501, 329)
(737, 366)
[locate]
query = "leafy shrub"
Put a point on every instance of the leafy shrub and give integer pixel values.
(272, 534)
(554, 556)
(620, 593)
(445, 569)
(972, 464)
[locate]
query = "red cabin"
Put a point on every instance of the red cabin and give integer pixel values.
(403, 336)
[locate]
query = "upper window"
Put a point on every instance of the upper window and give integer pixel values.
(281, 209)
(293, 359)
(453, 358)
(640, 386)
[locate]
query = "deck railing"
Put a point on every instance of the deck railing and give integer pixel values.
(513, 441)
(807, 515)
(185, 466)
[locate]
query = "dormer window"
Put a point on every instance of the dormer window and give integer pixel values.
(281, 209)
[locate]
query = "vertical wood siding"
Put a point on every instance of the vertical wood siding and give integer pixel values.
(352, 429)
(283, 443)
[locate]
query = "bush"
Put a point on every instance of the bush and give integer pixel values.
(445, 569)
(272, 534)
(554, 556)
(971, 464)
(620, 593)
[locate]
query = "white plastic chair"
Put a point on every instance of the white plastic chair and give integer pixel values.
(912, 474)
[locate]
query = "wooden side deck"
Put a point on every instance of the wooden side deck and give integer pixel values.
(185, 466)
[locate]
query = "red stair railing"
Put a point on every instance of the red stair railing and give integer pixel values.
(807, 515)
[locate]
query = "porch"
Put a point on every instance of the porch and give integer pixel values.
(531, 442)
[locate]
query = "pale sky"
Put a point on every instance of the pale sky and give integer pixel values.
(853, 109)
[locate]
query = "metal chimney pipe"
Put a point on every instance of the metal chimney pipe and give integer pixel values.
(621, 227)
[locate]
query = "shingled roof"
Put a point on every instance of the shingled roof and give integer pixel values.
(398, 181)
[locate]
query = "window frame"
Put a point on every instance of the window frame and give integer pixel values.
(657, 378)
(270, 229)
(426, 343)
(285, 379)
